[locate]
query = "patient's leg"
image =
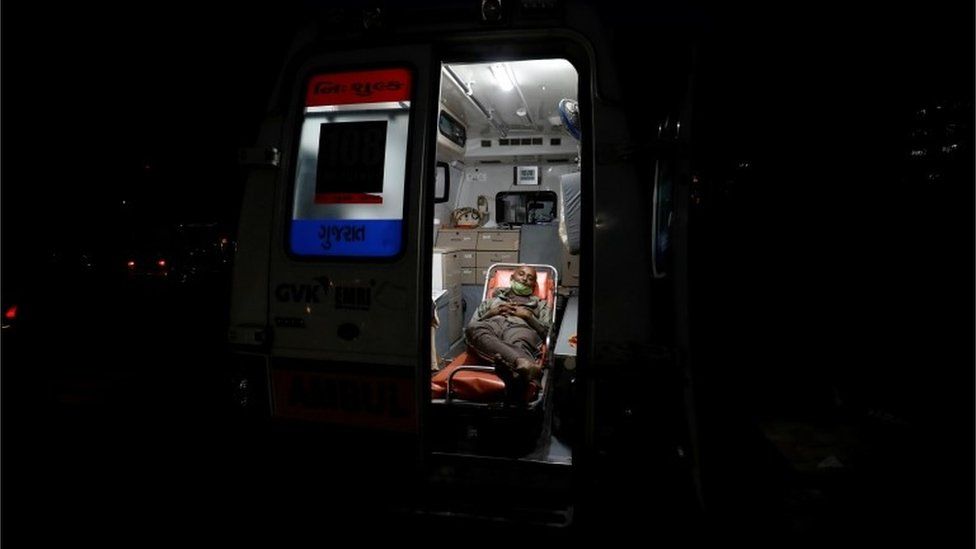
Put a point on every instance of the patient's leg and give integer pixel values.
(486, 339)
(528, 369)
(492, 339)
(524, 339)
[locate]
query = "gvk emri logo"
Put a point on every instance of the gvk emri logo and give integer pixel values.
(303, 293)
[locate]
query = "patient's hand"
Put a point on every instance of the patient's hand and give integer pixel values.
(523, 312)
(501, 309)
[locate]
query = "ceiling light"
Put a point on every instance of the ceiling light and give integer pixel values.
(501, 76)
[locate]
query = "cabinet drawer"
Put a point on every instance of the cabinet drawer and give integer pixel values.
(469, 275)
(498, 240)
(486, 259)
(456, 239)
(467, 258)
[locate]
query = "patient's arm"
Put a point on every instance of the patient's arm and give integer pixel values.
(500, 309)
(485, 310)
(528, 316)
(544, 315)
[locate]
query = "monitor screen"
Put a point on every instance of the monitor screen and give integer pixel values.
(518, 207)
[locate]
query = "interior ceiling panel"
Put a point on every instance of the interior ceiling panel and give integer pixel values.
(541, 83)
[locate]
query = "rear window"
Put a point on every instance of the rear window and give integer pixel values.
(351, 165)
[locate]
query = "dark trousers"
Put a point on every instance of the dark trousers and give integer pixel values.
(500, 336)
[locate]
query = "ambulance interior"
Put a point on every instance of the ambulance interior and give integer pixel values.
(507, 193)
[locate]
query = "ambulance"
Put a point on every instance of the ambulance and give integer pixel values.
(411, 158)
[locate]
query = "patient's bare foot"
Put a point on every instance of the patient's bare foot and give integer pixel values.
(527, 369)
(500, 363)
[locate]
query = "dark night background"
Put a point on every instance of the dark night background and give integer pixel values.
(832, 270)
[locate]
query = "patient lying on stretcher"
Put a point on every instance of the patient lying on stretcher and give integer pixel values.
(508, 330)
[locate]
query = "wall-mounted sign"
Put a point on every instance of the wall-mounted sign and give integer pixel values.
(526, 175)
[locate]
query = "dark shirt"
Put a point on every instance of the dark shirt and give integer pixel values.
(538, 306)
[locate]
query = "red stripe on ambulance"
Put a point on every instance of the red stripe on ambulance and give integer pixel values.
(347, 88)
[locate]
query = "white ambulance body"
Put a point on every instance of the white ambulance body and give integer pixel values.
(394, 168)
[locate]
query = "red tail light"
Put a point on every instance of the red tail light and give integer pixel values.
(131, 264)
(161, 263)
(10, 313)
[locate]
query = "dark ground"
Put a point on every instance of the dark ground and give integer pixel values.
(134, 440)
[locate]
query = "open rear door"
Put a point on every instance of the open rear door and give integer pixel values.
(347, 305)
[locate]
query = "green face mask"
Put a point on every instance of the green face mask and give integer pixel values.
(521, 289)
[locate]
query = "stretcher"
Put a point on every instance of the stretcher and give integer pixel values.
(470, 381)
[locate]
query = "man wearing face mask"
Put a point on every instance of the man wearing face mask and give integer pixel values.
(508, 330)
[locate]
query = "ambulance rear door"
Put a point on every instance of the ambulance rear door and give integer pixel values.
(349, 310)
